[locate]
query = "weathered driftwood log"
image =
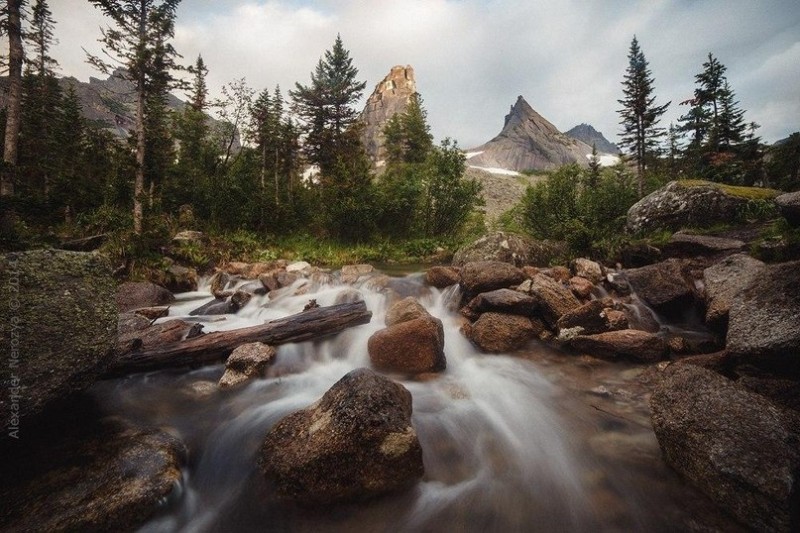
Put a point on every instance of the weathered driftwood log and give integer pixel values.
(212, 347)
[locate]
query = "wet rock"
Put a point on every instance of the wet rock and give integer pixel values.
(736, 446)
(789, 204)
(588, 269)
(252, 270)
(686, 245)
(299, 267)
(348, 295)
(723, 282)
(181, 279)
(484, 276)
(108, 477)
(219, 282)
(59, 327)
(628, 344)
(354, 444)
(412, 347)
(554, 299)
(502, 301)
(442, 276)
(763, 321)
(501, 246)
(404, 310)
(223, 307)
(684, 204)
(500, 332)
(246, 362)
(593, 317)
(558, 273)
(352, 273)
(137, 294)
(663, 286)
(581, 287)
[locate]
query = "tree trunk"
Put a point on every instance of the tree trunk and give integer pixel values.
(205, 349)
(15, 56)
(138, 184)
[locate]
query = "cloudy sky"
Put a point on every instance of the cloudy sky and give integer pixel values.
(474, 57)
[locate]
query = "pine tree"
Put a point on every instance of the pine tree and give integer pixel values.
(12, 25)
(640, 115)
(326, 106)
(140, 42)
(593, 176)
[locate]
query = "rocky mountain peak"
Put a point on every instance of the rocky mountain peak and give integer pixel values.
(586, 133)
(528, 141)
(390, 96)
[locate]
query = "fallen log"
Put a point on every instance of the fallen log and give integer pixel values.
(213, 347)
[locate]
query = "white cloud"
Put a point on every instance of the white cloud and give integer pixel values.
(473, 57)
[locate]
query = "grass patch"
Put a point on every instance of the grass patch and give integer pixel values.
(749, 193)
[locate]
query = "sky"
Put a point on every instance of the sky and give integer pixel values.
(472, 58)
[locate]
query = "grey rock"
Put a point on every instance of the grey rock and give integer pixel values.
(723, 281)
(500, 246)
(246, 362)
(664, 286)
(502, 301)
(789, 204)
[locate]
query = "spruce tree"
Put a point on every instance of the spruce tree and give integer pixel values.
(140, 41)
(12, 25)
(640, 114)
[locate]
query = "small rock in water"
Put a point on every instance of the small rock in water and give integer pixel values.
(248, 361)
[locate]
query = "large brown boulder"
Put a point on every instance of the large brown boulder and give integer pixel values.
(500, 332)
(663, 286)
(502, 301)
(736, 446)
(404, 310)
(355, 443)
(628, 344)
(135, 294)
(412, 347)
(88, 476)
(499, 246)
(723, 282)
(442, 276)
(554, 298)
(588, 269)
(58, 329)
(789, 204)
(596, 316)
(764, 320)
(484, 276)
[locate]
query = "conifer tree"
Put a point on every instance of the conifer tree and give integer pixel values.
(12, 25)
(640, 114)
(140, 41)
(593, 176)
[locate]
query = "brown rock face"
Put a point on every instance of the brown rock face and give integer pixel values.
(736, 446)
(404, 310)
(499, 332)
(390, 96)
(529, 142)
(723, 282)
(442, 276)
(554, 298)
(631, 344)
(484, 276)
(593, 317)
(414, 346)
(246, 362)
(355, 443)
(501, 300)
(135, 294)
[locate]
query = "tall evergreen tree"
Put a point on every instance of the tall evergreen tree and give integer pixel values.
(12, 25)
(141, 43)
(640, 114)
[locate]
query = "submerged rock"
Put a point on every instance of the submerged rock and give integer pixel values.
(736, 446)
(59, 327)
(355, 443)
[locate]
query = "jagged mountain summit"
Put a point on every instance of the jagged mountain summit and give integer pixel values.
(587, 134)
(528, 141)
(390, 96)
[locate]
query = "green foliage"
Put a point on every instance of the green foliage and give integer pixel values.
(783, 169)
(564, 208)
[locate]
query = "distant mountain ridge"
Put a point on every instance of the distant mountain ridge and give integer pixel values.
(587, 134)
(528, 141)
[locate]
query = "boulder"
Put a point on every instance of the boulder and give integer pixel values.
(763, 320)
(153, 313)
(558, 273)
(351, 273)
(637, 255)
(135, 294)
(500, 332)
(219, 282)
(404, 310)
(412, 347)
(501, 301)
(629, 344)
(554, 298)
(298, 267)
(687, 245)
(689, 203)
(593, 317)
(355, 443)
(246, 362)
(663, 286)
(219, 306)
(484, 276)
(442, 276)
(739, 448)
(500, 246)
(789, 204)
(581, 287)
(59, 327)
(181, 279)
(588, 269)
(723, 282)
(99, 476)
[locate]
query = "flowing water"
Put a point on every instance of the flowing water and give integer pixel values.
(534, 441)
